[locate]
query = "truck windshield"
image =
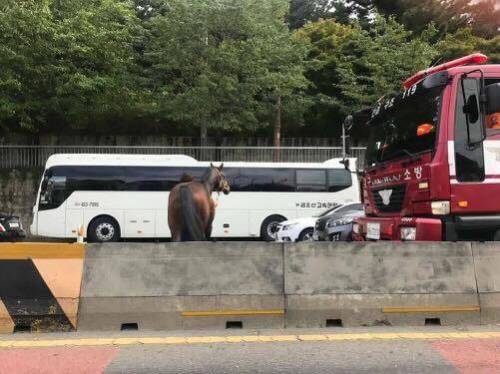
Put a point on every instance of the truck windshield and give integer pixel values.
(404, 125)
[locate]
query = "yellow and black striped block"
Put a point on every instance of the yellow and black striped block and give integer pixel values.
(40, 286)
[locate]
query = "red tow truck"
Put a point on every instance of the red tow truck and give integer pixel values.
(432, 169)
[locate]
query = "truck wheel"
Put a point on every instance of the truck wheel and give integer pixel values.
(103, 229)
(269, 226)
(306, 235)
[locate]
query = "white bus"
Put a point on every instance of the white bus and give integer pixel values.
(126, 196)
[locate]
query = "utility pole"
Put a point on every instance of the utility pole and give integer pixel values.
(346, 126)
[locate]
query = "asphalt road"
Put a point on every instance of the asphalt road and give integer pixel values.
(374, 350)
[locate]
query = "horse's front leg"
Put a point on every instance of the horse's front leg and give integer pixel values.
(208, 231)
(176, 235)
(211, 216)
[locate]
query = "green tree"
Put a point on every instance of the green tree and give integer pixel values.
(449, 15)
(230, 65)
(66, 63)
(464, 42)
(304, 11)
(352, 67)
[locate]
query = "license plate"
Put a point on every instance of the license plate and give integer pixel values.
(14, 225)
(373, 230)
(335, 237)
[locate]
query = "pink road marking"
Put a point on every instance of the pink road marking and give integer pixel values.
(74, 360)
(471, 355)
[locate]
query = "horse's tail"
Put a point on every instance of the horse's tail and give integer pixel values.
(192, 228)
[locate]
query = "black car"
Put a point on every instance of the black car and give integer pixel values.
(11, 228)
(337, 226)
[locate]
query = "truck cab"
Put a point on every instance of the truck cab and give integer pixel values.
(432, 169)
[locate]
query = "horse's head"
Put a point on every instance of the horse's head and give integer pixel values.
(219, 181)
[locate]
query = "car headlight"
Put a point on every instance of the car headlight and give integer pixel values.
(339, 222)
(408, 233)
(355, 228)
(288, 227)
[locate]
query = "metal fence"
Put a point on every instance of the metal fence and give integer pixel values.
(28, 156)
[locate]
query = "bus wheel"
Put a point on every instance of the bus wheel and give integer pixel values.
(103, 229)
(269, 227)
(306, 235)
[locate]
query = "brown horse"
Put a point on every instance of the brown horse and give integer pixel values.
(191, 209)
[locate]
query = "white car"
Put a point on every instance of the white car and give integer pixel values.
(299, 229)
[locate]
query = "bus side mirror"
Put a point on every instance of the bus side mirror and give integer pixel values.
(348, 122)
(493, 98)
(346, 139)
(346, 163)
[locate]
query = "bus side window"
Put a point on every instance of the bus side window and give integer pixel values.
(339, 179)
(264, 179)
(309, 180)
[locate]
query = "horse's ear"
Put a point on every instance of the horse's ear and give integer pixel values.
(211, 165)
(221, 166)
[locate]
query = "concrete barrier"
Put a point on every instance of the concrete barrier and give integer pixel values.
(487, 263)
(182, 286)
(384, 283)
(39, 286)
(169, 286)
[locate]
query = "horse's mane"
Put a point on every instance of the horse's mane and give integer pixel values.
(206, 174)
(186, 178)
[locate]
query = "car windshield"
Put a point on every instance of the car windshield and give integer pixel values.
(349, 207)
(404, 125)
(329, 210)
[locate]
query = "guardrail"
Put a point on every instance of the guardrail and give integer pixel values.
(28, 156)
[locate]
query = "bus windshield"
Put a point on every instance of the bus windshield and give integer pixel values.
(404, 125)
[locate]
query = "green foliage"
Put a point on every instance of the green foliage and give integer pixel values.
(222, 64)
(65, 64)
(463, 42)
(351, 67)
(304, 11)
(449, 15)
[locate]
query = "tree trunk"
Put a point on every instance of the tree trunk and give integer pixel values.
(203, 154)
(203, 134)
(277, 130)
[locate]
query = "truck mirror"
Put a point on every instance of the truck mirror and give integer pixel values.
(471, 109)
(471, 91)
(493, 98)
